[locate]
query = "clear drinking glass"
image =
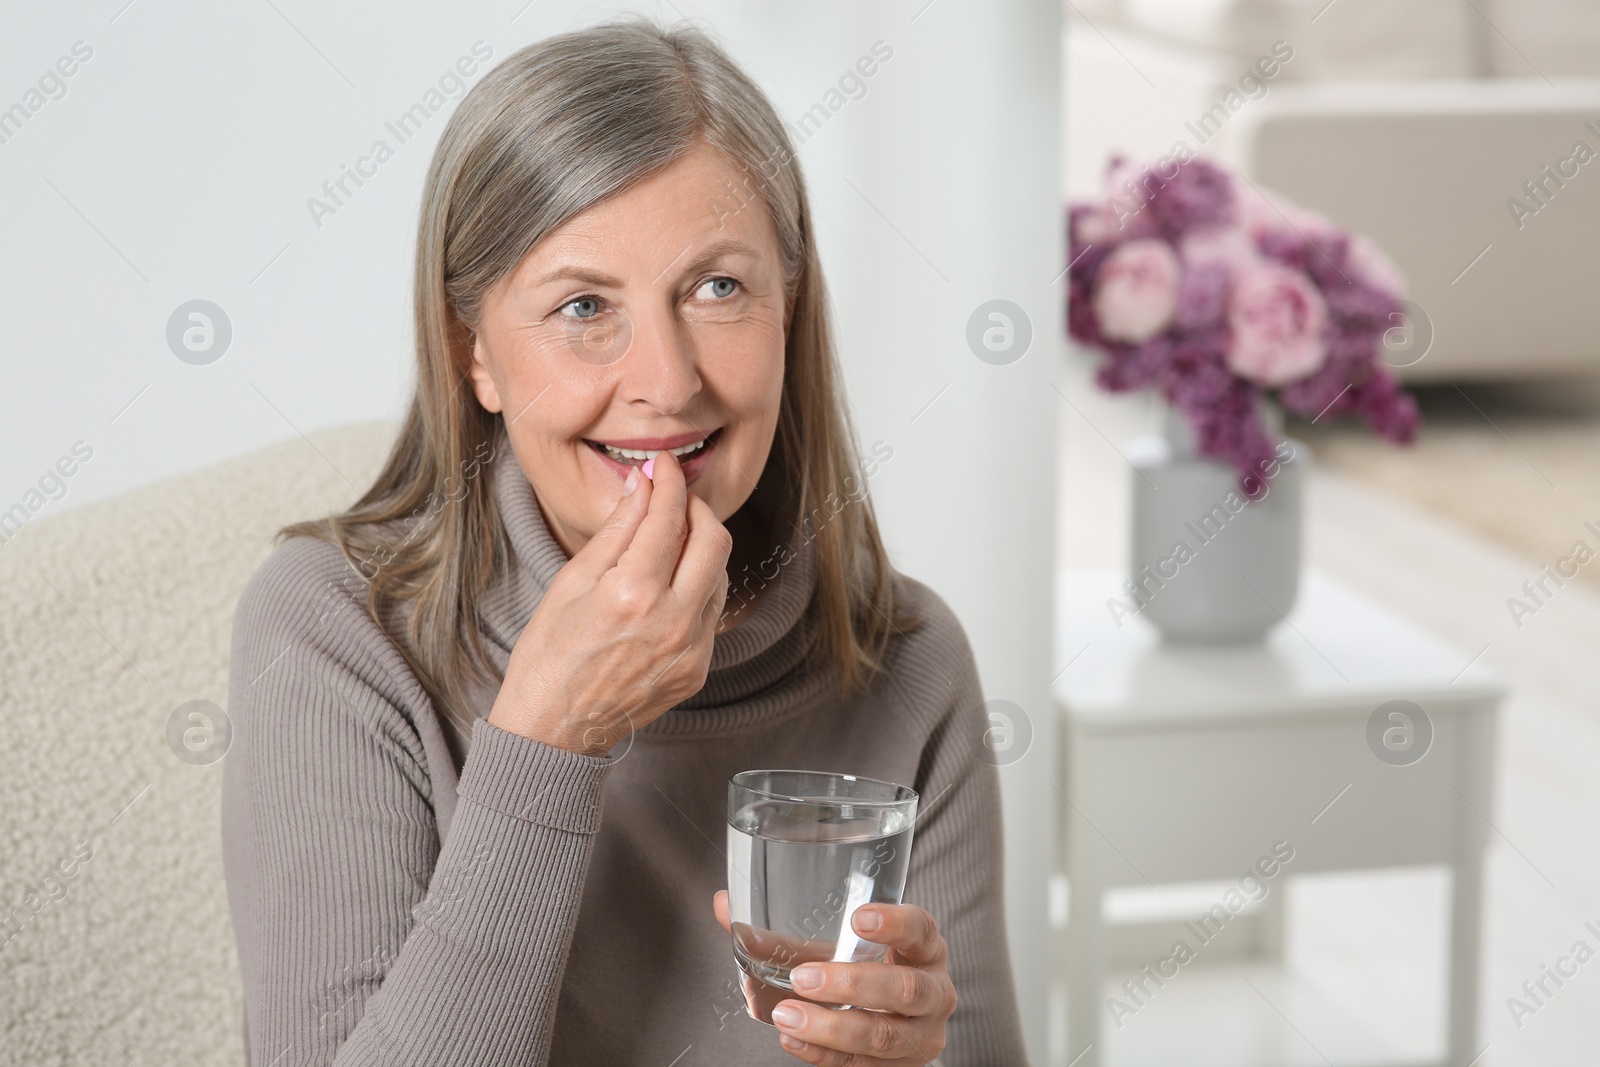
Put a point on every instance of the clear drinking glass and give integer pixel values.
(805, 850)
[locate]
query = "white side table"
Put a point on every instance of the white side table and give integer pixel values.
(1187, 764)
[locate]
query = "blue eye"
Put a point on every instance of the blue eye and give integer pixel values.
(593, 304)
(729, 283)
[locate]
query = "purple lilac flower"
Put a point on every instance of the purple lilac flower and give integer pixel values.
(1201, 193)
(1188, 363)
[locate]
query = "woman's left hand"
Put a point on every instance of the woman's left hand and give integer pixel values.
(909, 997)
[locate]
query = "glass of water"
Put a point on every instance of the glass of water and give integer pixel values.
(805, 850)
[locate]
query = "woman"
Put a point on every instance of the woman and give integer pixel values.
(622, 549)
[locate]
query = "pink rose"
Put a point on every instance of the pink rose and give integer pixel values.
(1136, 291)
(1277, 319)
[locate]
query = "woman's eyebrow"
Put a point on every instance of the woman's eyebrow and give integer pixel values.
(576, 273)
(715, 251)
(589, 276)
(728, 246)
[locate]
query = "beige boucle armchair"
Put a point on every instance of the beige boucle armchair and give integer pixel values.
(115, 940)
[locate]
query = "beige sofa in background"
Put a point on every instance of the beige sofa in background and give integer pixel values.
(1415, 122)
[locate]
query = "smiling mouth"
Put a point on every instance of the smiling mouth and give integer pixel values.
(638, 456)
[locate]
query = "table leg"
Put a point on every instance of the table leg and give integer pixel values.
(1466, 888)
(1085, 951)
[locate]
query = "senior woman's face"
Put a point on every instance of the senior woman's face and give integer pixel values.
(654, 320)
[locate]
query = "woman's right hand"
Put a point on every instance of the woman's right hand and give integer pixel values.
(625, 630)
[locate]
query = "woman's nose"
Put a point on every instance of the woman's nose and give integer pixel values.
(661, 367)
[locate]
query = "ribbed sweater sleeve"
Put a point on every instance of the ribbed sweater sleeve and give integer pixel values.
(956, 848)
(362, 938)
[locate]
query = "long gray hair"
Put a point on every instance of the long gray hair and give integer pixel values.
(557, 127)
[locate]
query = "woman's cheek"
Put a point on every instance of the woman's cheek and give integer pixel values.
(759, 368)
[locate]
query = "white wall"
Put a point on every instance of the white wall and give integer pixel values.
(956, 201)
(179, 162)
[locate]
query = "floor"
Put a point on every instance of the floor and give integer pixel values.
(1516, 463)
(1362, 979)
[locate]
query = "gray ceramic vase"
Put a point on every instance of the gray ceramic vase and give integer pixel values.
(1213, 563)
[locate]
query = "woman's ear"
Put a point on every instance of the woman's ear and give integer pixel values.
(482, 381)
(467, 352)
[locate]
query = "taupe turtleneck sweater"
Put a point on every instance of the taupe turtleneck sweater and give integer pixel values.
(395, 904)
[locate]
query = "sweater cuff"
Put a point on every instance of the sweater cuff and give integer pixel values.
(533, 781)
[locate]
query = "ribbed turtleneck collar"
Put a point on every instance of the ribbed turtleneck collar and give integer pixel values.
(766, 647)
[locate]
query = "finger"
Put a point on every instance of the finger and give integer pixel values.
(659, 541)
(719, 908)
(827, 1057)
(859, 1033)
(891, 987)
(703, 569)
(906, 928)
(760, 998)
(617, 532)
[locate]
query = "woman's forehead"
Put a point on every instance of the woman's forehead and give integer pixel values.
(692, 193)
(649, 232)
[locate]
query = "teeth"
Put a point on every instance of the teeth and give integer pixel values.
(686, 449)
(649, 453)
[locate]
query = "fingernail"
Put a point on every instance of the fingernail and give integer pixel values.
(868, 921)
(788, 1017)
(806, 977)
(631, 483)
(649, 468)
(793, 1044)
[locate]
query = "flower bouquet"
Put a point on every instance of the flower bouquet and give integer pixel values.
(1219, 294)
